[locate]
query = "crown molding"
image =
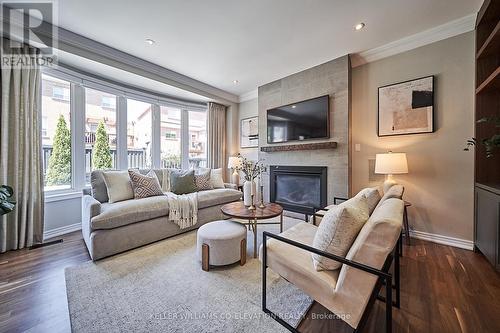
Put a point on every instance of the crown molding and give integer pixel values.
(248, 96)
(447, 30)
(74, 43)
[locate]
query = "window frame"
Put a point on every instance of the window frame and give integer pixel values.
(77, 100)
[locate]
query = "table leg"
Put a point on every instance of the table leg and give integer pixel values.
(281, 223)
(407, 227)
(255, 238)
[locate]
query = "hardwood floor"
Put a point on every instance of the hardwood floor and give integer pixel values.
(443, 289)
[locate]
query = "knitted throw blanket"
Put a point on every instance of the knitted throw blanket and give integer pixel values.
(183, 209)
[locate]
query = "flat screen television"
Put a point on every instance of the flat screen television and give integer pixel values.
(299, 121)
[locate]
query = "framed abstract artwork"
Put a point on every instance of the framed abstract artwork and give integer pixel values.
(249, 132)
(406, 107)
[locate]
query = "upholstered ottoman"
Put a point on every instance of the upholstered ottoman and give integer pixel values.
(221, 243)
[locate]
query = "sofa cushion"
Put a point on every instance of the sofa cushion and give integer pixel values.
(372, 246)
(145, 185)
(294, 264)
(217, 196)
(121, 213)
(182, 182)
(118, 185)
(395, 191)
(216, 178)
(372, 197)
(98, 186)
(202, 179)
(338, 230)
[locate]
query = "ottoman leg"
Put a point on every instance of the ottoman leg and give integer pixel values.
(243, 252)
(205, 257)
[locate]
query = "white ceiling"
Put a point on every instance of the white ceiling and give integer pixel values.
(121, 76)
(254, 42)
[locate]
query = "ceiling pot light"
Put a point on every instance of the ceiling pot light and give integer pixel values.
(294, 106)
(236, 81)
(150, 41)
(359, 26)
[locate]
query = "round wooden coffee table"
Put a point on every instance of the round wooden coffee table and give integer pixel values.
(240, 211)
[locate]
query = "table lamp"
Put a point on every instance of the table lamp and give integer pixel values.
(234, 163)
(390, 164)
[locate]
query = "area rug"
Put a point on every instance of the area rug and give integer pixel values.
(161, 288)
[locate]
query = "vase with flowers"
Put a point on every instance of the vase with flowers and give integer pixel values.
(250, 170)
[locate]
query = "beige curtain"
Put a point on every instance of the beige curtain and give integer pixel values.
(20, 150)
(216, 141)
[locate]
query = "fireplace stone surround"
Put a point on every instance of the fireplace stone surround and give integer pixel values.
(332, 78)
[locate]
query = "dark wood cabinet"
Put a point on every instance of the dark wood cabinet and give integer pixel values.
(487, 223)
(487, 169)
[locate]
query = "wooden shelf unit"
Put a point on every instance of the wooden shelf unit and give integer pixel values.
(487, 170)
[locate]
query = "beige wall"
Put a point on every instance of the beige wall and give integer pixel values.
(248, 109)
(440, 179)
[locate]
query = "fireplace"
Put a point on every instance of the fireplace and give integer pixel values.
(300, 189)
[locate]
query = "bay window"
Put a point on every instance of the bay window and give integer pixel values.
(197, 139)
(139, 134)
(89, 125)
(56, 133)
(170, 137)
(100, 131)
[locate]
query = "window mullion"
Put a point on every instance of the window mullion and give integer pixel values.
(78, 135)
(185, 139)
(156, 137)
(121, 133)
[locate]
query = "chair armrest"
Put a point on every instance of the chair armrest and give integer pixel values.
(308, 248)
(90, 208)
(337, 199)
(232, 186)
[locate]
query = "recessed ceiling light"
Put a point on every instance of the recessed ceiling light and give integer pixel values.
(236, 81)
(359, 26)
(150, 41)
(294, 106)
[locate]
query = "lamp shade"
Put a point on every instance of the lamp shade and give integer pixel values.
(234, 162)
(391, 163)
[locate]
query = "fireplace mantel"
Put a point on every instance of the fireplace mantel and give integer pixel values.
(303, 146)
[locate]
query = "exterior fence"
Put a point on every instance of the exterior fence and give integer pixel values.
(137, 159)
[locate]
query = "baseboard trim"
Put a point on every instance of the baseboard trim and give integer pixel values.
(445, 240)
(61, 231)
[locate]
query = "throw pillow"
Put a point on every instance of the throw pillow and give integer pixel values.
(99, 191)
(165, 184)
(216, 178)
(372, 197)
(182, 182)
(202, 179)
(396, 191)
(118, 185)
(145, 185)
(338, 230)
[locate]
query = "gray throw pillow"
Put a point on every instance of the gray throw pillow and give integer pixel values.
(145, 186)
(182, 182)
(99, 190)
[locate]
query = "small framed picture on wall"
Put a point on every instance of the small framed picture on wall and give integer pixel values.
(249, 132)
(406, 107)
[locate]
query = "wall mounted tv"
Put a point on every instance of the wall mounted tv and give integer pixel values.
(299, 121)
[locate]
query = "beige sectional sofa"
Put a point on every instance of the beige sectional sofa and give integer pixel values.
(347, 291)
(110, 228)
